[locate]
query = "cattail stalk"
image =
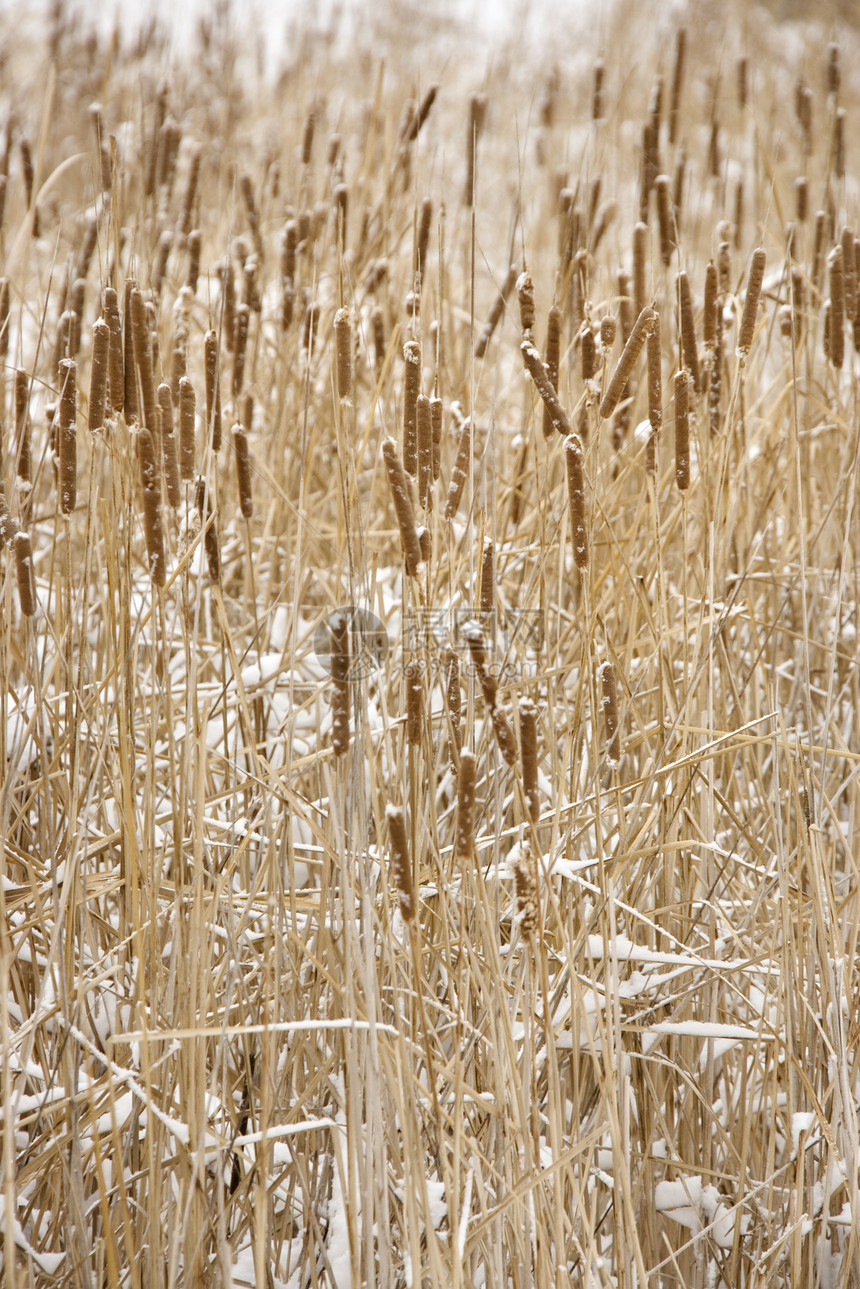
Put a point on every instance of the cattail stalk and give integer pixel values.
(213, 389)
(624, 367)
(401, 864)
(168, 446)
(151, 497)
(551, 362)
(544, 386)
(424, 434)
(209, 519)
(411, 388)
(655, 376)
(187, 416)
(338, 625)
(24, 573)
(837, 307)
(23, 447)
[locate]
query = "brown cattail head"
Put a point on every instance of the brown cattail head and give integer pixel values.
(453, 695)
(115, 355)
(23, 449)
(168, 445)
(677, 82)
(338, 625)
(573, 456)
(642, 327)
(690, 357)
(411, 388)
(608, 329)
(4, 317)
(464, 838)
(553, 357)
(665, 218)
(526, 886)
(243, 471)
(477, 111)
(143, 358)
(839, 143)
(544, 386)
(597, 91)
(187, 416)
(526, 297)
(401, 864)
(748, 317)
(462, 467)
(655, 377)
(487, 597)
(709, 320)
(609, 698)
(67, 437)
(436, 410)
(24, 573)
(422, 240)
(213, 389)
(849, 273)
(836, 329)
(377, 327)
(640, 259)
(241, 326)
(99, 374)
(588, 353)
(424, 436)
(151, 497)
(505, 736)
(209, 518)
(414, 701)
(308, 136)
(529, 755)
(496, 311)
(343, 347)
(398, 481)
(682, 429)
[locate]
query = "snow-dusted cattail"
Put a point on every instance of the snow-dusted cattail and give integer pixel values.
(436, 434)
(411, 388)
(624, 367)
(338, 626)
(526, 887)
(689, 353)
(23, 448)
(169, 456)
(67, 436)
(640, 256)
(460, 471)
(487, 597)
(655, 376)
(187, 416)
(453, 695)
(464, 838)
(576, 495)
(151, 497)
(422, 241)
(529, 756)
(424, 437)
(526, 298)
(24, 573)
(241, 326)
(551, 362)
(400, 494)
(496, 311)
(849, 273)
(588, 354)
(750, 310)
(682, 429)
(98, 374)
(209, 520)
(414, 702)
(401, 864)
(343, 348)
(609, 699)
(213, 389)
(544, 386)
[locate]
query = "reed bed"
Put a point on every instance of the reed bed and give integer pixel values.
(429, 653)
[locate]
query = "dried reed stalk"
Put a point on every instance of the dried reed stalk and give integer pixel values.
(99, 375)
(401, 864)
(338, 626)
(624, 367)
(610, 713)
(682, 429)
(689, 351)
(400, 494)
(24, 573)
(573, 456)
(496, 311)
(750, 310)
(464, 833)
(529, 755)
(460, 471)
(67, 436)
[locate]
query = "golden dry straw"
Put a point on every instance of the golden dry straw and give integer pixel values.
(67, 436)
(24, 573)
(496, 310)
(689, 352)
(624, 367)
(573, 456)
(99, 375)
(682, 429)
(151, 498)
(460, 471)
(750, 310)
(544, 387)
(398, 481)
(401, 864)
(529, 757)
(213, 389)
(343, 350)
(167, 436)
(464, 832)
(338, 626)
(609, 700)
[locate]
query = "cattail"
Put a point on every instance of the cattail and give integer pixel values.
(664, 217)
(544, 386)
(529, 756)
(833, 74)
(836, 329)
(338, 625)
(677, 82)
(8, 525)
(159, 265)
(682, 429)
(289, 242)
(195, 242)
(414, 702)
(748, 317)
(624, 367)
(168, 445)
(678, 178)
(460, 472)
(526, 298)
(401, 865)
(526, 887)
(99, 374)
(400, 494)
(849, 273)
(178, 361)
(308, 136)
(716, 373)
(115, 356)
(803, 110)
(27, 170)
(453, 696)
(487, 598)
(496, 312)
(309, 329)
(151, 498)
(23, 450)
(24, 573)
(424, 436)
(801, 199)
(343, 346)
(597, 91)
(607, 332)
(246, 412)
(340, 200)
(425, 220)
(228, 302)
(610, 713)
(690, 357)
(411, 387)
(247, 189)
(655, 377)
(709, 321)
(640, 252)
(650, 166)
(187, 416)
(714, 162)
(436, 434)
(505, 736)
(839, 143)
(588, 354)
(67, 439)
(477, 110)
(242, 322)
(743, 82)
(576, 494)
(478, 653)
(724, 267)
(213, 388)
(190, 195)
(209, 519)
(818, 245)
(464, 836)
(143, 358)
